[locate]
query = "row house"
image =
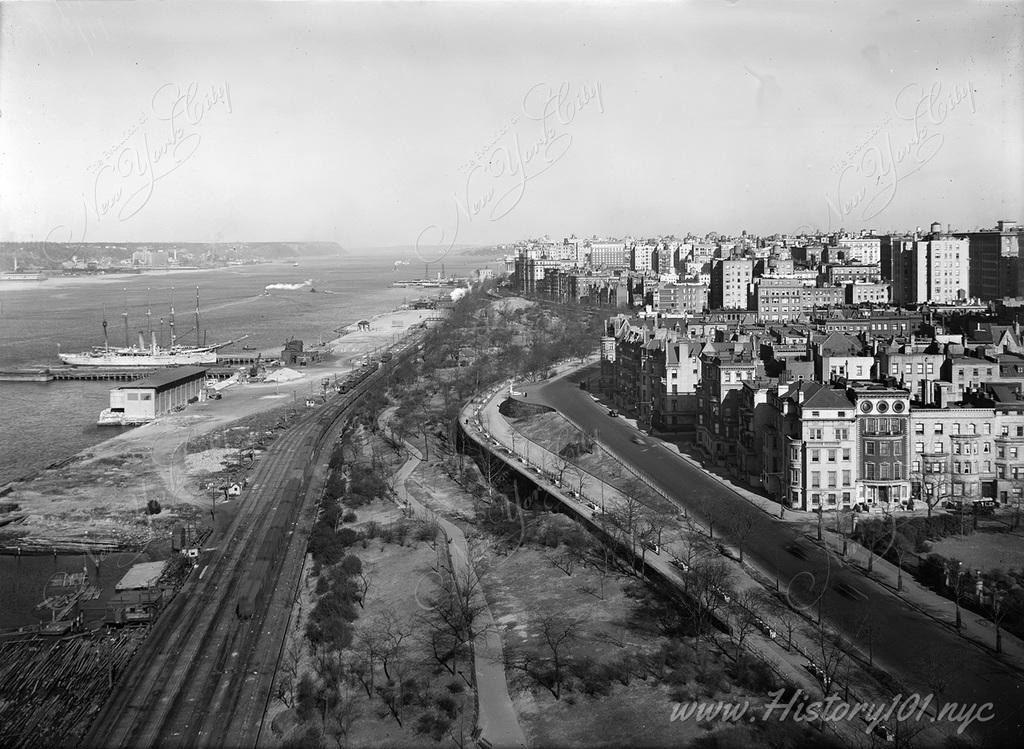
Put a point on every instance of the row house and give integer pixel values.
(809, 447)
(864, 292)
(724, 369)
(840, 355)
(913, 365)
(678, 404)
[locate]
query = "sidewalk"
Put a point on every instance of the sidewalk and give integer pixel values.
(974, 628)
(856, 683)
(497, 721)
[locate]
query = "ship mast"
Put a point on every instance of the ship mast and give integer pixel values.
(171, 323)
(198, 341)
(125, 316)
(106, 344)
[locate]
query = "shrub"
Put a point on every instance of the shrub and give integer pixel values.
(153, 507)
(349, 517)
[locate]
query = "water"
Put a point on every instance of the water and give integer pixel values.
(23, 582)
(41, 423)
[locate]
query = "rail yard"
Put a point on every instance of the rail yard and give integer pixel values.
(205, 673)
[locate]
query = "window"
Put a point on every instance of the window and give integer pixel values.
(918, 428)
(915, 466)
(146, 396)
(869, 448)
(816, 499)
(832, 476)
(815, 455)
(815, 479)
(883, 471)
(846, 453)
(956, 448)
(956, 427)
(897, 448)
(869, 425)
(918, 447)
(972, 428)
(988, 427)
(832, 456)
(897, 471)
(883, 448)
(846, 478)
(1013, 452)
(937, 429)
(842, 434)
(869, 471)
(794, 453)
(988, 466)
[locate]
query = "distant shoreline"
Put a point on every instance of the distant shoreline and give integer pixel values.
(63, 282)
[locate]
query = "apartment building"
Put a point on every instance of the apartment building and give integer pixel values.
(730, 283)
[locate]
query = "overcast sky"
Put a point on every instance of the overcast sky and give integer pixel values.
(383, 124)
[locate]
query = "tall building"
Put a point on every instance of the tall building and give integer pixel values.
(995, 261)
(609, 254)
(730, 283)
(933, 268)
(863, 250)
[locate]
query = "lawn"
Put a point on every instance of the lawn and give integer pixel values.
(984, 551)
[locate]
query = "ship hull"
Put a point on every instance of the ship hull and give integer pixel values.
(139, 360)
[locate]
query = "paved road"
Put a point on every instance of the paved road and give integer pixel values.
(900, 634)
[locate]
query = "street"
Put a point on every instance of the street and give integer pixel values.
(898, 634)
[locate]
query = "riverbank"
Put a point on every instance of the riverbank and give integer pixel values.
(68, 282)
(100, 497)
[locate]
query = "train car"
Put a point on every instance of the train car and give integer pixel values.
(251, 590)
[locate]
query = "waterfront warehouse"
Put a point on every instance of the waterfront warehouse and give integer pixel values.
(153, 396)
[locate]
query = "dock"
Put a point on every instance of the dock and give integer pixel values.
(123, 374)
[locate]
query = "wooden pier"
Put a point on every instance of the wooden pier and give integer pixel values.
(123, 374)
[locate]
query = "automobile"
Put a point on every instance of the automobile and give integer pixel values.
(883, 732)
(762, 625)
(815, 669)
(638, 441)
(613, 412)
(651, 546)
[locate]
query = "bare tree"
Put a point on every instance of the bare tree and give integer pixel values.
(931, 482)
(709, 591)
(558, 634)
(363, 581)
(745, 608)
(741, 526)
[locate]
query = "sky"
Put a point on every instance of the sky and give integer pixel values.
(431, 123)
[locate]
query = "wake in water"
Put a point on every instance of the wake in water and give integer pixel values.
(288, 286)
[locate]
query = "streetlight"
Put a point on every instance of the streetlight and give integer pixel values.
(956, 592)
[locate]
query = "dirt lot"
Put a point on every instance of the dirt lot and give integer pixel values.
(984, 551)
(99, 497)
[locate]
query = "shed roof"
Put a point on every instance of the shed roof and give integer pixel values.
(142, 575)
(165, 378)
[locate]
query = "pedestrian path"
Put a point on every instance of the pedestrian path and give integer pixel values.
(497, 722)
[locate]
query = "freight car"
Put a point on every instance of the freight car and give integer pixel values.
(251, 590)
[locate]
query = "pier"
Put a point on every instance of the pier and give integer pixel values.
(123, 374)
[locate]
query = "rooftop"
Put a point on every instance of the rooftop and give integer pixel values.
(166, 377)
(143, 575)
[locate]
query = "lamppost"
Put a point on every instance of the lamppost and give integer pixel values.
(956, 592)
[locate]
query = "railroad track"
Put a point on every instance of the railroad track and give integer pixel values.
(204, 677)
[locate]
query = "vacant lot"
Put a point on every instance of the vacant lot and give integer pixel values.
(984, 551)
